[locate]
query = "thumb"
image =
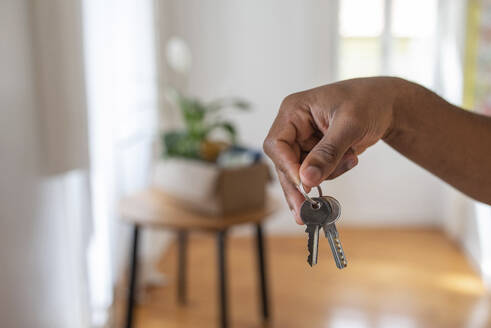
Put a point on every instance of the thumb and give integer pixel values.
(326, 155)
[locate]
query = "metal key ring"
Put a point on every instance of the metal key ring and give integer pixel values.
(307, 198)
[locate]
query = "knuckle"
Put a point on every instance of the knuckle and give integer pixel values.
(291, 101)
(267, 146)
(327, 152)
(290, 98)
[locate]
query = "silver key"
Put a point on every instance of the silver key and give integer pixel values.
(331, 231)
(314, 215)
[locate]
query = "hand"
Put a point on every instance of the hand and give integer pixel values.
(319, 133)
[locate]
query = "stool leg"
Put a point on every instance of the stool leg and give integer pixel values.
(182, 243)
(132, 280)
(262, 271)
(222, 278)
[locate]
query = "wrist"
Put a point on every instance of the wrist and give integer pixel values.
(405, 94)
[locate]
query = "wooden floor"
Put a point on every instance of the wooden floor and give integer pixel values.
(394, 279)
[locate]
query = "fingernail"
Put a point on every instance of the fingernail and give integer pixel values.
(351, 164)
(295, 216)
(313, 173)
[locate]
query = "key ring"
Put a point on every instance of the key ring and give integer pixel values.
(307, 198)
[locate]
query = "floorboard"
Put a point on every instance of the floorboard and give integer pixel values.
(394, 279)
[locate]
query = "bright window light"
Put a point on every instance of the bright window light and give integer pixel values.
(361, 18)
(394, 37)
(483, 214)
(361, 26)
(414, 18)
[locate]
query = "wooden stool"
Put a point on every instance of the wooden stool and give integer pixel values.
(154, 209)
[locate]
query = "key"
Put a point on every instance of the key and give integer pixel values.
(331, 231)
(314, 215)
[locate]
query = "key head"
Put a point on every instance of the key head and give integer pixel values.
(315, 214)
(334, 209)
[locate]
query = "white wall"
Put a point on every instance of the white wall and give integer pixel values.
(265, 50)
(41, 273)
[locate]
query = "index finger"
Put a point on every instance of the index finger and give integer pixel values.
(281, 146)
(292, 131)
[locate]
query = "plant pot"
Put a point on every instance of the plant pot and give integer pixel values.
(210, 189)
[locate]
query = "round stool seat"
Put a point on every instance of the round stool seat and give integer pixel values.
(153, 207)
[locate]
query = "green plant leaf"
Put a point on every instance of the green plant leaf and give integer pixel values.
(200, 120)
(180, 144)
(219, 104)
(229, 127)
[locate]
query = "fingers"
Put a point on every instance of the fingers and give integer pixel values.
(279, 145)
(295, 133)
(293, 197)
(291, 131)
(324, 159)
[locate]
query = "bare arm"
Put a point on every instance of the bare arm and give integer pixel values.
(319, 133)
(452, 143)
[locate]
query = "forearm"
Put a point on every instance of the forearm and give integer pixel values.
(452, 143)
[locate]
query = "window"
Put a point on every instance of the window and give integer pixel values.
(391, 37)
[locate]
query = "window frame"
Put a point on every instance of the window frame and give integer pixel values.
(386, 42)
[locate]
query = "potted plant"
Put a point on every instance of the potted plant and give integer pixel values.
(200, 121)
(201, 164)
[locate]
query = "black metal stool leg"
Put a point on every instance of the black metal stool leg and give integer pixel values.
(262, 271)
(133, 275)
(222, 278)
(182, 243)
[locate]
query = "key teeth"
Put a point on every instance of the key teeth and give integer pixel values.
(343, 265)
(310, 246)
(337, 249)
(310, 260)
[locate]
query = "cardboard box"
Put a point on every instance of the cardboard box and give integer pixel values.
(212, 190)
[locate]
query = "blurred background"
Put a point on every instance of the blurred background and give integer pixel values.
(95, 94)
